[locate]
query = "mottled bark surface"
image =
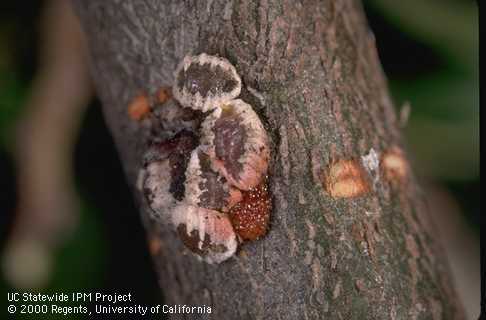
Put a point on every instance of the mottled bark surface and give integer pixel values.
(311, 71)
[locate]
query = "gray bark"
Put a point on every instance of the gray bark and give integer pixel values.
(310, 70)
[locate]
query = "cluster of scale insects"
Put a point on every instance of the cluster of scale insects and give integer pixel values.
(205, 169)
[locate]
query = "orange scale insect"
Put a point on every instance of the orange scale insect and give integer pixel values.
(251, 216)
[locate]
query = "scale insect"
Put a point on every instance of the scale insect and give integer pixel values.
(205, 172)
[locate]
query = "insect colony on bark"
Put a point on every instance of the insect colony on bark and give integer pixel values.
(205, 169)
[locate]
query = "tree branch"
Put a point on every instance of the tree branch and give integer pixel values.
(311, 71)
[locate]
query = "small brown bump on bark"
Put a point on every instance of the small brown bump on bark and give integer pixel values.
(360, 285)
(154, 245)
(243, 254)
(163, 94)
(394, 165)
(139, 108)
(345, 179)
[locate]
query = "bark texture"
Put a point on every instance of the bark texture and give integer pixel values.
(310, 70)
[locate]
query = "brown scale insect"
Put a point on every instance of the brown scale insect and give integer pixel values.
(206, 169)
(139, 107)
(251, 216)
